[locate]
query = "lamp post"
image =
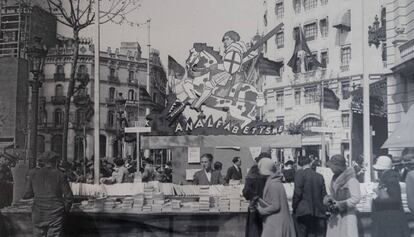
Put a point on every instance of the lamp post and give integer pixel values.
(36, 53)
(120, 102)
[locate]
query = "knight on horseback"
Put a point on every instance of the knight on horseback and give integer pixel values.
(226, 70)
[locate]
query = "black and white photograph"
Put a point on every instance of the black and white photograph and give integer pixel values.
(199, 118)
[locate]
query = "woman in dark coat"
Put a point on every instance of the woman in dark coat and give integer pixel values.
(253, 189)
(388, 217)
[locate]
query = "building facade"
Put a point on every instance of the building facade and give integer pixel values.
(400, 50)
(336, 32)
(123, 72)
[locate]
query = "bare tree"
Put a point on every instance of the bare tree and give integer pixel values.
(78, 15)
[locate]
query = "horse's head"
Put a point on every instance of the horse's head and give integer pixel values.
(201, 59)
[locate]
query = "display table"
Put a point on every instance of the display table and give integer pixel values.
(117, 223)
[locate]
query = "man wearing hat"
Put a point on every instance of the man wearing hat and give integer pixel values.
(52, 196)
(307, 201)
(345, 195)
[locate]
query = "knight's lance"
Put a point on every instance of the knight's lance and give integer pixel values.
(263, 40)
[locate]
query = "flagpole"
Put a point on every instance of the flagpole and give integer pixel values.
(323, 152)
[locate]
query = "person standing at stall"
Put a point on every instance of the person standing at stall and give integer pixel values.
(274, 207)
(119, 175)
(341, 203)
(307, 201)
(52, 196)
(234, 172)
(207, 176)
(388, 217)
(253, 189)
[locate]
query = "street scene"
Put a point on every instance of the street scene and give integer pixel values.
(256, 118)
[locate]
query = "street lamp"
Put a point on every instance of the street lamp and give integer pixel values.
(120, 102)
(36, 53)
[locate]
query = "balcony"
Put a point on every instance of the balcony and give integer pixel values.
(82, 77)
(407, 50)
(309, 77)
(132, 103)
(110, 127)
(81, 125)
(133, 83)
(113, 79)
(110, 101)
(59, 76)
(344, 68)
(50, 126)
(81, 99)
(58, 100)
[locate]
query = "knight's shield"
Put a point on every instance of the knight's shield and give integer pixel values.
(232, 62)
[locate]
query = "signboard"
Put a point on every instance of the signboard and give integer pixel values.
(325, 129)
(193, 155)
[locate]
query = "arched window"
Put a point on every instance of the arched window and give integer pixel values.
(79, 151)
(59, 90)
(102, 146)
(111, 93)
(80, 116)
(82, 69)
(310, 122)
(57, 144)
(60, 69)
(40, 143)
(131, 75)
(111, 118)
(58, 117)
(131, 94)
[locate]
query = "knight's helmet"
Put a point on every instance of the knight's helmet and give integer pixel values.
(232, 35)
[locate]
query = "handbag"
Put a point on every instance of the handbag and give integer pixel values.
(382, 193)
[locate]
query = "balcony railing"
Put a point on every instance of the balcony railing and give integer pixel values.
(82, 77)
(309, 77)
(407, 50)
(59, 76)
(110, 127)
(110, 101)
(49, 126)
(81, 99)
(58, 100)
(114, 79)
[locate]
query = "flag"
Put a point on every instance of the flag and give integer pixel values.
(267, 66)
(175, 69)
(301, 45)
(330, 100)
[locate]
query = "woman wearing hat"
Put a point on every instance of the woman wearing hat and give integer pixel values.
(345, 195)
(388, 217)
(274, 208)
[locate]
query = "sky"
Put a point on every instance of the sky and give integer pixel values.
(177, 24)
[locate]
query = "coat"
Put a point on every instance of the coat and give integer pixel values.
(409, 184)
(308, 194)
(200, 178)
(346, 193)
(388, 216)
(277, 221)
(234, 174)
(253, 187)
(52, 196)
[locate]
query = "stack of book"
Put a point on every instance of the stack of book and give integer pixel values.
(167, 207)
(204, 203)
(147, 208)
(127, 203)
(138, 202)
(108, 203)
(158, 201)
(244, 205)
(176, 205)
(224, 204)
(148, 195)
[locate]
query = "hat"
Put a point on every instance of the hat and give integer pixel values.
(337, 161)
(303, 160)
(262, 155)
(383, 163)
(266, 166)
(48, 156)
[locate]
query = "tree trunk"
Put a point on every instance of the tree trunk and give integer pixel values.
(71, 89)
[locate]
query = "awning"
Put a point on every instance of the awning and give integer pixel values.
(402, 137)
(311, 140)
(343, 21)
(276, 141)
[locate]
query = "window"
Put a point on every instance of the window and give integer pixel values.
(57, 144)
(309, 4)
(111, 93)
(279, 9)
(111, 118)
(324, 59)
(310, 122)
(298, 94)
(310, 61)
(311, 31)
(40, 144)
(345, 89)
(102, 146)
(82, 69)
(324, 27)
(324, 2)
(280, 40)
(59, 90)
(60, 69)
(279, 99)
(58, 117)
(112, 72)
(345, 120)
(297, 6)
(131, 94)
(345, 55)
(79, 153)
(311, 95)
(131, 76)
(80, 117)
